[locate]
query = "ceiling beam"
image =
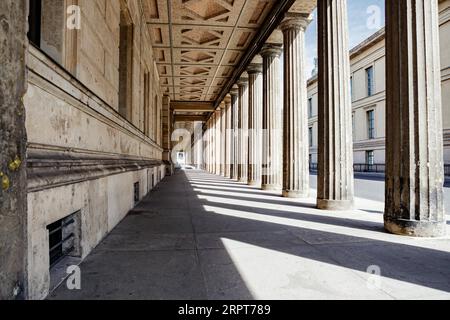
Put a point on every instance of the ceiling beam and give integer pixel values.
(192, 106)
(271, 23)
(183, 118)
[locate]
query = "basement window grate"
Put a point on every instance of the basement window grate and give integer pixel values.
(136, 193)
(61, 239)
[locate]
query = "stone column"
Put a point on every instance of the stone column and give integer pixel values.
(223, 141)
(414, 141)
(214, 146)
(335, 178)
(13, 141)
(218, 139)
(210, 146)
(206, 146)
(166, 134)
(228, 138)
(235, 127)
(295, 115)
(198, 145)
(272, 118)
(243, 130)
(255, 123)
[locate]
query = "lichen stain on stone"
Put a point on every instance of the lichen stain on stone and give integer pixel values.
(15, 165)
(6, 183)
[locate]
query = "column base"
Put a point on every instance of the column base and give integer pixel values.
(335, 205)
(295, 194)
(271, 187)
(254, 183)
(242, 180)
(419, 229)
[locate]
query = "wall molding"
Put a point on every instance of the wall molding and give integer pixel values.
(51, 167)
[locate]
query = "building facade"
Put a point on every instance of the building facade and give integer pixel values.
(94, 124)
(368, 94)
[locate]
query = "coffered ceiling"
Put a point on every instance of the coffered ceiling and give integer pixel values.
(199, 43)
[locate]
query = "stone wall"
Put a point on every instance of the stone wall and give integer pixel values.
(83, 157)
(13, 205)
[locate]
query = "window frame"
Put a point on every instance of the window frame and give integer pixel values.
(371, 124)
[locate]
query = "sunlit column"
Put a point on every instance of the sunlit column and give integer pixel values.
(218, 139)
(255, 123)
(235, 148)
(223, 123)
(228, 151)
(243, 130)
(335, 177)
(272, 118)
(295, 129)
(414, 141)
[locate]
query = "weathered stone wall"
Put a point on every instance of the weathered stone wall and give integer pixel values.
(13, 205)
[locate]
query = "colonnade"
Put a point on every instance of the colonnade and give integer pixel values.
(260, 132)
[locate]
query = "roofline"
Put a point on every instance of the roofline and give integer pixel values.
(360, 48)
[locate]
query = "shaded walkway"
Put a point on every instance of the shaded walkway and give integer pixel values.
(199, 236)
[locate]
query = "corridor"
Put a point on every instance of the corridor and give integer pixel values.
(200, 236)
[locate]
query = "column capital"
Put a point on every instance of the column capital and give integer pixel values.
(227, 99)
(242, 82)
(234, 92)
(271, 50)
(222, 105)
(296, 21)
(254, 68)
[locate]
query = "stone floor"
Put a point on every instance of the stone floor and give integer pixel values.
(199, 236)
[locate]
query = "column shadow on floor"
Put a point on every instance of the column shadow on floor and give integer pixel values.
(176, 245)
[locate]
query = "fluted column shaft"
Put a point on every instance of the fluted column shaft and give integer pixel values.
(223, 122)
(255, 124)
(228, 151)
(272, 119)
(208, 146)
(243, 131)
(414, 141)
(234, 140)
(218, 137)
(335, 178)
(295, 115)
(214, 147)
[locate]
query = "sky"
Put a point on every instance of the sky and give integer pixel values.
(365, 17)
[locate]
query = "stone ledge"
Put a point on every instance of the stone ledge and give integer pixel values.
(49, 169)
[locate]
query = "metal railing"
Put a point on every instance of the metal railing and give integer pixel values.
(369, 168)
(374, 168)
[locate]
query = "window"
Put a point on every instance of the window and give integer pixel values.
(46, 27)
(126, 65)
(137, 195)
(351, 88)
(353, 126)
(34, 22)
(370, 158)
(371, 124)
(310, 107)
(155, 118)
(311, 141)
(147, 104)
(369, 81)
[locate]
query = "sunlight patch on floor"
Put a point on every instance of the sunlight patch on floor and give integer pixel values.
(271, 274)
(353, 233)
